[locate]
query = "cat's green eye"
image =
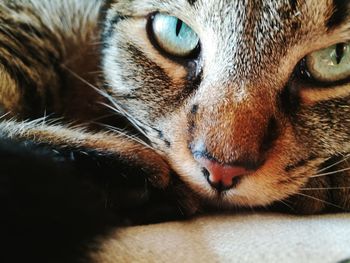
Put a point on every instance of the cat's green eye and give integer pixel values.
(174, 36)
(331, 64)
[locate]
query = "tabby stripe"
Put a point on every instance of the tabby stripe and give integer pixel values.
(31, 98)
(293, 5)
(109, 28)
(191, 86)
(29, 29)
(24, 51)
(25, 41)
(104, 10)
(299, 163)
(192, 2)
(17, 55)
(339, 15)
(30, 55)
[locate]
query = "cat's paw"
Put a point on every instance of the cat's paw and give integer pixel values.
(155, 168)
(175, 202)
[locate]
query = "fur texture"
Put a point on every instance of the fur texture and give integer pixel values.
(241, 101)
(246, 104)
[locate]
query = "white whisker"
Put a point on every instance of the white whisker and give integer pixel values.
(346, 157)
(115, 107)
(95, 120)
(325, 188)
(79, 77)
(4, 115)
(330, 173)
(96, 43)
(119, 110)
(96, 72)
(287, 205)
(322, 201)
(129, 136)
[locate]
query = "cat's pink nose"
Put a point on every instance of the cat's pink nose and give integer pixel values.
(222, 177)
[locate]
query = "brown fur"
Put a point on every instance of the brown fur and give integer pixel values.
(239, 99)
(250, 108)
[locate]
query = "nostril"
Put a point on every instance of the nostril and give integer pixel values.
(219, 186)
(206, 174)
(222, 177)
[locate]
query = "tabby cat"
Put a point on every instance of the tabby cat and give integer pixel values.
(135, 111)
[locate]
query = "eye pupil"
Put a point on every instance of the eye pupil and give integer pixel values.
(178, 27)
(339, 51)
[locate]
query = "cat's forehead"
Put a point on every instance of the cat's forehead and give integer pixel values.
(335, 11)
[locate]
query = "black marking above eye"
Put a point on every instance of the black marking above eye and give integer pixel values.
(167, 143)
(293, 4)
(341, 10)
(160, 134)
(110, 26)
(192, 2)
(194, 109)
(162, 137)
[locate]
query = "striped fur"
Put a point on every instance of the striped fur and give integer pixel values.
(241, 101)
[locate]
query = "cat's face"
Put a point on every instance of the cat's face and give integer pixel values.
(250, 115)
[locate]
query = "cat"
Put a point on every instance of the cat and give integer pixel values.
(228, 104)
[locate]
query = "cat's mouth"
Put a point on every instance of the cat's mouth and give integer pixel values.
(279, 179)
(235, 186)
(308, 188)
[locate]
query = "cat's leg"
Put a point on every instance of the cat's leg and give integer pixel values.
(133, 152)
(62, 188)
(115, 163)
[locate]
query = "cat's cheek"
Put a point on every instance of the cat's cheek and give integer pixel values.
(340, 187)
